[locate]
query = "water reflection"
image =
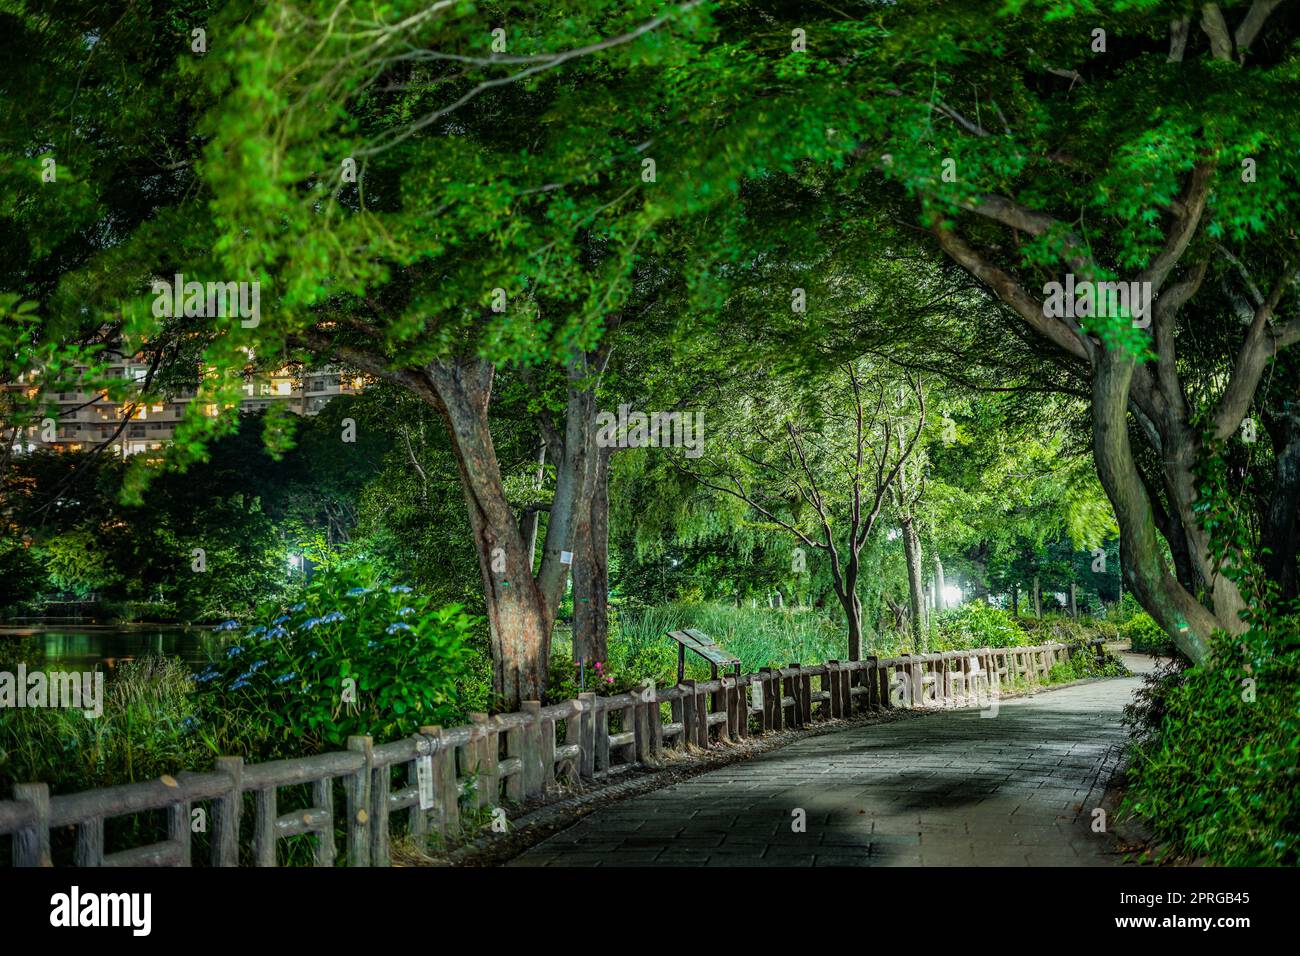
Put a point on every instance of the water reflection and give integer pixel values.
(82, 647)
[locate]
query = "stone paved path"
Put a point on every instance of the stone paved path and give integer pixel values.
(948, 788)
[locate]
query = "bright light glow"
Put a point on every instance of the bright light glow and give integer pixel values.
(951, 595)
(295, 561)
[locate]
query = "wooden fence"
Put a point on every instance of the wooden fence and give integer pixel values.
(528, 756)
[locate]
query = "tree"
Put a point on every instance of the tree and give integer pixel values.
(1034, 156)
(823, 472)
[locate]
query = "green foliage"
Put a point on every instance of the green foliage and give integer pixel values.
(76, 563)
(146, 729)
(1085, 664)
(978, 624)
(1214, 772)
(760, 637)
(1146, 635)
(1216, 754)
(21, 574)
(351, 655)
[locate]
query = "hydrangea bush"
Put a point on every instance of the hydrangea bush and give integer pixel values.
(352, 654)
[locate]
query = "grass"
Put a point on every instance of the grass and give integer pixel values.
(142, 733)
(760, 637)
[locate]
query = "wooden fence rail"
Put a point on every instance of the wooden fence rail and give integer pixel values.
(522, 757)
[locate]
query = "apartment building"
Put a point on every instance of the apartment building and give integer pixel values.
(91, 418)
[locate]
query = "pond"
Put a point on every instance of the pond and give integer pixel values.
(82, 646)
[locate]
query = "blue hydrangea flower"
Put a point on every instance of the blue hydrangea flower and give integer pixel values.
(238, 684)
(281, 619)
(333, 617)
(372, 643)
(397, 626)
(260, 629)
(310, 623)
(256, 666)
(405, 611)
(357, 592)
(298, 607)
(210, 673)
(189, 723)
(313, 654)
(285, 678)
(399, 589)
(234, 650)
(275, 633)
(231, 625)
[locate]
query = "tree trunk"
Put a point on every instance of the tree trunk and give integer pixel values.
(591, 564)
(517, 618)
(521, 608)
(1038, 599)
(916, 600)
(846, 589)
(1151, 580)
(1015, 600)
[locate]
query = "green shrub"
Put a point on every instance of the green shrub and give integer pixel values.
(1215, 770)
(977, 624)
(352, 655)
(1146, 636)
(1085, 664)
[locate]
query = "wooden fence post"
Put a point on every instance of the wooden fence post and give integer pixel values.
(767, 719)
(602, 737)
(726, 699)
(357, 786)
(446, 786)
(742, 703)
(488, 751)
(178, 830)
(701, 718)
(381, 786)
(587, 735)
(226, 811)
(90, 843)
(534, 749)
(322, 797)
(795, 693)
(678, 707)
(646, 714)
(516, 783)
(31, 844)
(830, 682)
(264, 801)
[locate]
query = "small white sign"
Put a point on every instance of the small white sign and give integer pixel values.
(566, 557)
(424, 781)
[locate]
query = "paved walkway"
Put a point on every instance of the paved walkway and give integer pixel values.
(948, 788)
